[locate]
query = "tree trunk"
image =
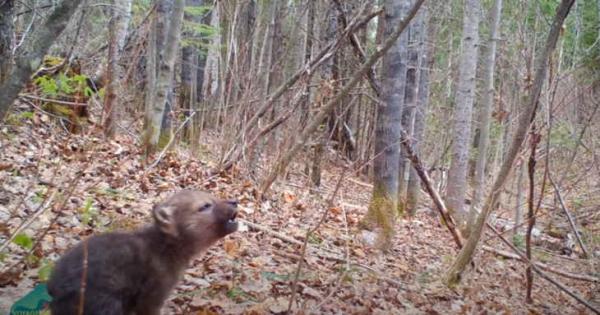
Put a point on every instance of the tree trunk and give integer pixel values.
(485, 114)
(330, 76)
(457, 174)
(384, 199)
(38, 45)
(410, 98)
(6, 35)
(427, 51)
(189, 63)
(527, 116)
(111, 76)
(299, 141)
(165, 75)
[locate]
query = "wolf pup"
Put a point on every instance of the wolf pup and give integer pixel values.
(133, 273)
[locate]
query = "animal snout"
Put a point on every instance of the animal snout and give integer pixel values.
(232, 203)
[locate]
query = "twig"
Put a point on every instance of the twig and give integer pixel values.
(570, 219)
(27, 223)
(33, 97)
(330, 203)
(559, 285)
(563, 273)
(534, 141)
(166, 148)
(433, 193)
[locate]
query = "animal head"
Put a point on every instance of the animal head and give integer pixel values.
(196, 217)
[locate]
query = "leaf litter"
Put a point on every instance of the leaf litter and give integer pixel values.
(251, 272)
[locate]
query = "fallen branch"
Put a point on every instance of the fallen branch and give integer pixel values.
(574, 276)
(41, 210)
(544, 276)
(51, 100)
(166, 148)
(433, 193)
(570, 219)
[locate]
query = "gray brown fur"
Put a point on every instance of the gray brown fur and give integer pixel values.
(134, 273)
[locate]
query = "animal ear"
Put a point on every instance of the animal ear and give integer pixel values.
(165, 219)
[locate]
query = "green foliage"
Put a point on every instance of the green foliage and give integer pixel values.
(88, 213)
(63, 84)
(47, 84)
(197, 34)
(519, 240)
(45, 270)
(197, 10)
(562, 137)
(24, 241)
(314, 239)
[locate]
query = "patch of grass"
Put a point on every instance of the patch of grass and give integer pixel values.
(24, 241)
(45, 270)
(519, 241)
(88, 213)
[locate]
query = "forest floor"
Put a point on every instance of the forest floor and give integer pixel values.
(66, 187)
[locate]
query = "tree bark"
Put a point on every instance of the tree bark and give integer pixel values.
(426, 62)
(457, 174)
(6, 35)
(527, 116)
(409, 106)
(111, 77)
(489, 63)
(384, 198)
(165, 75)
(31, 59)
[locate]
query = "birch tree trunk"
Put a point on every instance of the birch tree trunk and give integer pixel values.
(489, 63)
(527, 116)
(37, 46)
(165, 75)
(457, 175)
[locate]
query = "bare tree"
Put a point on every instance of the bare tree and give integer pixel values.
(165, 76)
(527, 116)
(426, 62)
(489, 62)
(457, 175)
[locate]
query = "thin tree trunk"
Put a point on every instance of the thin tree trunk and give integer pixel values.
(489, 63)
(527, 116)
(165, 75)
(38, 45)
(189, 64)
(111, 75)
(520, 203)
(457, 174)
(151, 70)
(426, 63)
(301, 139)
(6, 35)
(408, 111)
(535, 139)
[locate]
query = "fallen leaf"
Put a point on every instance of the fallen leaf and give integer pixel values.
(231, 247)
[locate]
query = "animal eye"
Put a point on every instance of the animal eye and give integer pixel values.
(204, 207)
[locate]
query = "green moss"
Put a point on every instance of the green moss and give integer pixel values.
(382, 215)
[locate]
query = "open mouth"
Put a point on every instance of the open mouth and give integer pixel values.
(231, 225)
